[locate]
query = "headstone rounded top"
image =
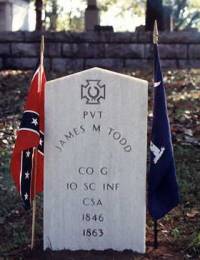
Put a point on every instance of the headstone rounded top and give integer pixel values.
(96, 71)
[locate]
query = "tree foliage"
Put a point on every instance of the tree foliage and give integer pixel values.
(51, 14)
(186, 14)
(136, 7)
(69, 18)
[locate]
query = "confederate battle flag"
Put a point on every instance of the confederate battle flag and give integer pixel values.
(29, 143)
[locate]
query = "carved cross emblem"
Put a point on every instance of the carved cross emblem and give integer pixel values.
(93, 92)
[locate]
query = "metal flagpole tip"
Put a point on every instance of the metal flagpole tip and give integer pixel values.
(155, 33)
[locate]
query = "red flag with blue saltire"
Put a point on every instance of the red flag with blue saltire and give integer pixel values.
(162, 184)
(29, 142)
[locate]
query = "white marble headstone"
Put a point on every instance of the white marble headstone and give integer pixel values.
(95, 162)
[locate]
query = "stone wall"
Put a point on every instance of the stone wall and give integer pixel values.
(117, 51)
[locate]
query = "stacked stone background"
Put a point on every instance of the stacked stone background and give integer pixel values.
(77, 51)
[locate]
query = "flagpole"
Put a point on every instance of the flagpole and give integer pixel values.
(155, 234)
(155, 41)
(36, 149)
(34, 201)
(155, 33)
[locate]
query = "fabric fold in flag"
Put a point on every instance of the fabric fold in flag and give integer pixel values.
(29, 142)
(162, 185)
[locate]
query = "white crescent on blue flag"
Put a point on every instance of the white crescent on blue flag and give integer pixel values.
(162, 185)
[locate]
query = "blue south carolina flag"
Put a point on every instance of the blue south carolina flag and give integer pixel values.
(162, 185)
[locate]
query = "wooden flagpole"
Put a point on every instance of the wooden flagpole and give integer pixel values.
(155, 33)
(36, 149)
(34, 201)
(155, 41)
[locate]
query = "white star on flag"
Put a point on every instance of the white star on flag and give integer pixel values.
(41, 142)
(28, 153)
(27, 175)
(26, 196)
(34, 121)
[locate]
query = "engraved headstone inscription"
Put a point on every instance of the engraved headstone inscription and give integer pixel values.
(95, 162)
